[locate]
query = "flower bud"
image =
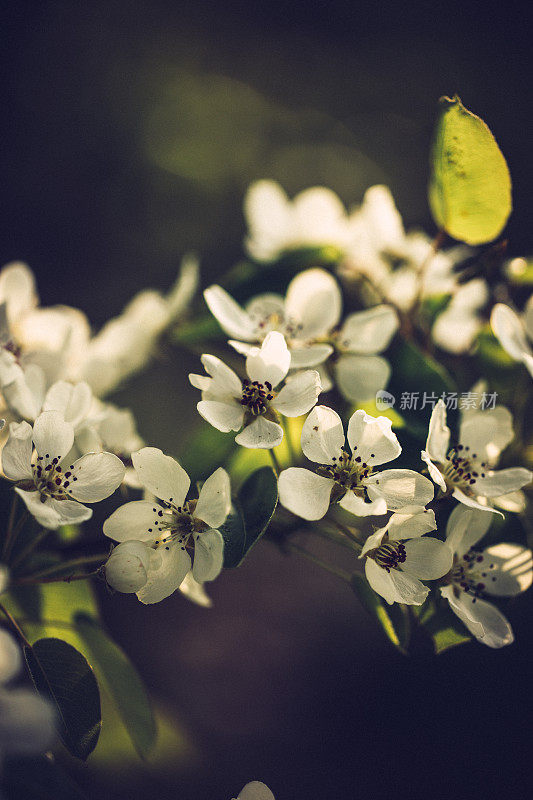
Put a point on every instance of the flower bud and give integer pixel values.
(127, 566)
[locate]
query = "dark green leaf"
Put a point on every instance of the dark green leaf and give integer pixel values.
(122, 681)
(394, 622)
(63, 676)
(256, 503)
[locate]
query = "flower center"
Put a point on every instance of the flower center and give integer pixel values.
(472, 573)
(348, 472)
(462, 470)
(276, 321)
(256, 396)
(389, 555)
(175, 524)
(13, 348)
(50, 480)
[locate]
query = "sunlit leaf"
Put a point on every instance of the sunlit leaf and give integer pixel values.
(394, 622)
(441, 625)
(121, 680)
(62, 676)
(470, 184)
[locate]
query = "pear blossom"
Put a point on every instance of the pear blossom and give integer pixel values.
(309, 317)
(252, 404)
(456, 328)
(465, 470)
(255, 791)
(53, 489)
(515, 333)
(160, 543)
(276, 225)
(348, 475)
(500, 570)
(26, 719)
(398, 555)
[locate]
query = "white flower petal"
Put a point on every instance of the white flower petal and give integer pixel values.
(399, 488)
(127, 567)
(134, 520)
(161, 475)
(194, 591)
(16, 453)
(299, 394)
(309, 355)
(72, 400)
(427, 558)
(487, 432)
(322, 435)
(314, 302)
(208, 556)
(260, 434)
(305, 494)
(270, 362)
(363, 508)
(10, 657)
(360, 377)
(482, 619)
(395, 586)
(370, 331)
(231, 317)
(53, 513)
(372, 439)
(410, 522)
(465, 528)
(255, 791)
(224, 417)
(509, 331)
(455, 330)
(512, 572)
(52, 436)
(434, 472)
(472, 502)
(439, 434)
(17, 290)
(169, 565)
(214, 501)
(373, 541)
(226, 383)
(499, 482)
(183, 290)
(25, 394)
(95, 476)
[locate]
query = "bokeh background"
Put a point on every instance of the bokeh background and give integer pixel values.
(130, 131)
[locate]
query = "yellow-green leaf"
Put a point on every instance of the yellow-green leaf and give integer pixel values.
(470, 184)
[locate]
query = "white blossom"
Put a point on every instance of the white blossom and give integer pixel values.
(465, 470)
(54, 490)
(456, 328)
(26, 720)
(160, 543)
(515, 333)
(348, 475)
(309, 317)
(255, 791)
(500, 570)
(399, 555)
(276, 225)
(230, 404)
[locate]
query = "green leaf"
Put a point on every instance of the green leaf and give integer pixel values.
(441, 625)
(394, 622)
(204, 448)
(250, 515)
(122, 682)
(470, 184)
(63, 677)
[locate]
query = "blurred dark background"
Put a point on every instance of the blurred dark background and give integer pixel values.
(130, 131)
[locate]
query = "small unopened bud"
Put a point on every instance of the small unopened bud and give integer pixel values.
(127, 567)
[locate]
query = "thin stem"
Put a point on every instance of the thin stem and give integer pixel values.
(30, 547)
(61, 579)
(332, 536)
(275, 462)
(347, 532)
(15, 626)
(51, 571)
(290, 446)
(339, 573)
(8, 541)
